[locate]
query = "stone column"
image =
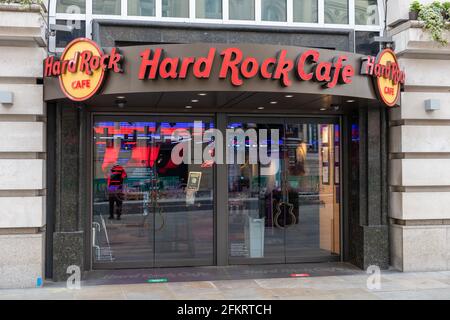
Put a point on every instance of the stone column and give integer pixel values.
(368, 227)
(68, 235)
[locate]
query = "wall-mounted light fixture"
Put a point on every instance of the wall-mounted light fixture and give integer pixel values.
(432, 104)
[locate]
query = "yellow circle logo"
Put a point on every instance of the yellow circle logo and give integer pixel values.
(82, 69)
(388, 77)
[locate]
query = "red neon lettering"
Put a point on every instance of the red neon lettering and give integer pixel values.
(172, 63)
(149, 64)
(232, 57)
(310, 56)
(185, 67)
(265, 73)
(284, 66)
(202, 67)
(249, 67)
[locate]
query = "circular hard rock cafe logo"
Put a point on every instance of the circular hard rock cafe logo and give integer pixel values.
(81, 68)
(388, 83)
(387, 75)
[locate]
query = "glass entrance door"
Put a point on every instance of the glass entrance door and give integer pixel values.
(148, 208)
(287, 210)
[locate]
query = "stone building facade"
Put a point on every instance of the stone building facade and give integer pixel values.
(22, 145)
(420, 148)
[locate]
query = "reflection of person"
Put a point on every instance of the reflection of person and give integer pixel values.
(115, 190)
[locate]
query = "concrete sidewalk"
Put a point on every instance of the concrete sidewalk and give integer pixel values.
(394, 285)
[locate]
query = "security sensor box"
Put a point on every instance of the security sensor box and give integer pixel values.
(6, 97)
(432, 104)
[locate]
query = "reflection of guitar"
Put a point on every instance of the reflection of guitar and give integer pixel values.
(290, 218)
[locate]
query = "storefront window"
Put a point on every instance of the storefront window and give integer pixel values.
(71, 6)
(242, 9)
(336, 11)
(273, 10)
(366, 12)
(175, 8)
(63, 38)
(149, 209)
(111, 7)
(208, 9)
(305, 11)
(141, 8)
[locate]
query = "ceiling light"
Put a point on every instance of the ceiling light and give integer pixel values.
(202, 94)
(273, 102)
(350, 100)
(323, 109)
(194, 100)
(289, 96)
(260, 108)
(188, 107)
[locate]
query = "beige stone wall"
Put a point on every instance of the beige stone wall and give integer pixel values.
(22, 147)
(420, 150)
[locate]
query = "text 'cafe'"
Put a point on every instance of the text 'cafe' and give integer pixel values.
(115, 111)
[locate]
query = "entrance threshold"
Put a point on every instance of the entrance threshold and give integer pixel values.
(214, 273)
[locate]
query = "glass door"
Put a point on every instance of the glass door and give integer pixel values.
(287, 209)
(145, 212)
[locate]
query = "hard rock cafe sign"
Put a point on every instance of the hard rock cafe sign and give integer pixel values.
(386, 74)
(82, 67)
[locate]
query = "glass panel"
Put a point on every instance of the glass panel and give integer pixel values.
(184, 215)
(305, 11)
(141, 8)
(242, 9)
(175, 8)
(143, 211)
(273, 10)
(254, 195)
(363, 44)
(312, 215)
(208, 9)
(336, 11)
(63, 38)
(122, 214)
(71, 6)
(366, 12)
(287, 210)
(106, 7)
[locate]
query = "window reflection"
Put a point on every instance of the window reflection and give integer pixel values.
(273, 10)
(78, 31)
(336, 11)
(305, 11)
(366, 12)
(364, 45)
(175, 8)
(242, 9)
(106, 7)
(208, 9)
(141, 8)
